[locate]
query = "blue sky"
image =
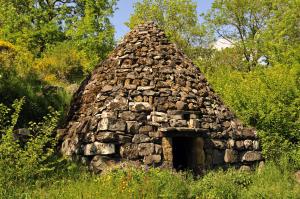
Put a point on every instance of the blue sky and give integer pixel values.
(125, 8)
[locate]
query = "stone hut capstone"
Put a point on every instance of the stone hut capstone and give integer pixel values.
(148, 103)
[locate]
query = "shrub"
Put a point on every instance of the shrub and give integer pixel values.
(62, 64)
(275, 180)
(221, 184)
(21, 163)
(18, 79)
(266, 98)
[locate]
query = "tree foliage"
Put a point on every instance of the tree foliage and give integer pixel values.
(178, 18)
(240, 22)
(47, 47)
(264, 94)
(281, 37)
(37, 24)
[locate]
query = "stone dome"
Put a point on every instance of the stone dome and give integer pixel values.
(148, 103)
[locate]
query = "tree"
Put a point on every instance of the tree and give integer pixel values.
(281, 37)
(178, 18)
(47, 46)
(241, 22)
(37, 24)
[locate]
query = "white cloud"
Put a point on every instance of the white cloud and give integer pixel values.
(221, 44)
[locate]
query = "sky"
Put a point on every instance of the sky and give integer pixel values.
(125, 8)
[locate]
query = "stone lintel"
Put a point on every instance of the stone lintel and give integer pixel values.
(179, 112)
(183, 132)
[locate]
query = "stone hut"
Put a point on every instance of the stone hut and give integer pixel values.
(148, 103)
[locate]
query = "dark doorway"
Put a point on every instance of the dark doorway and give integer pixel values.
(183, 155)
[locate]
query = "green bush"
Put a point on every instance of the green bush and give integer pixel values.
(19, 79)
(266, 98)
(275, 180)
(25, 162)
(221, 184)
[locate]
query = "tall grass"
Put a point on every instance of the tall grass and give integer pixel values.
(273, 181)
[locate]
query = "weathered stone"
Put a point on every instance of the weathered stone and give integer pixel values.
(218, 144)
(167, 149)
(248, 133)
(106, 137)
(159, 119)
(129, 151)
(248, 144)
(297, 176)
(146, 149)
(251, 156)
(178, 123)
(89, 137)
(239, 144)
(117, 125)
(205, 125)
(68, 147)
(194, 123)
(133, 127)
(176, 117)
(180, 105)
(130, 86)
(231, 156)
(144, 88)
(150, 93)
(138, 98)
(156, 134)
(131, 75)
(256, 145)
(107, 114)
(98, 148)
(106, 88)
(230, 143)
(127, 116)
(151, 159)
(140, 106)
(261, 166)
(159, 114)
(124, 139)
(158, 149)
(118, 104)
(194, 116)
(100, 163)
(140, 138)
(145, 129)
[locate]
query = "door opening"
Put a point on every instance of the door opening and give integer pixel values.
(182, 153)
(188, 154)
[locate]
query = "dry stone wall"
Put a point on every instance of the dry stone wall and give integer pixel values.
(146, 90)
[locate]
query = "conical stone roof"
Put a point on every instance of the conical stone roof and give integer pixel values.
(145, 90)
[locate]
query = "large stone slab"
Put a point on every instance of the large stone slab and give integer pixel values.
(111, 124)
(106, 137)
(98, 148)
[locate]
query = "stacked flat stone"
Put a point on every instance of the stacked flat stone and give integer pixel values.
(145, 91)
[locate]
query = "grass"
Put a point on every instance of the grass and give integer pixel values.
(274, 181)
